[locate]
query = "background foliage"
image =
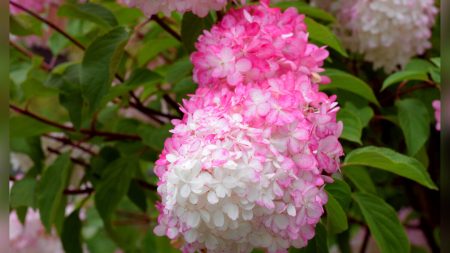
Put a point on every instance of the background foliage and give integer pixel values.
(91, 107)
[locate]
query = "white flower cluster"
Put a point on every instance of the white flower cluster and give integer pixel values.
(387, 32)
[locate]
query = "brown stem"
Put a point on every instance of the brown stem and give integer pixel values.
(172, 103)
(167, 28)
(69, 142)
(74, 160)
(107, 135)
(78, 191)
(49, 23)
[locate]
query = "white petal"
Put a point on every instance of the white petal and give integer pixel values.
(231, 210)
(281, 221)
(211, 242)
(160, 230)
(291, 210)
(212, 198)
(221, 191)
(185, 191)
(218, 218)
(205, 216)
(172, 233)
(193, 198)
(193, 219)
(171, 158)
(190, 236)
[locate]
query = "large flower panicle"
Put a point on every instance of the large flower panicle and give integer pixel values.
(31, 237)
(198, 7)
(387, 32)
(246, 166)
(253, 44)
(437, 113)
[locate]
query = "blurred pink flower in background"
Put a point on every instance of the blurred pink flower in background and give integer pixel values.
(31, 237)
(437, 113)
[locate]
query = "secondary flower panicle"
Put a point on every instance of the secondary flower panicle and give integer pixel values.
(246, 165)
(253, 44)
(387, 32)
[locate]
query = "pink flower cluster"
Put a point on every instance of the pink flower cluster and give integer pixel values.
(254, 44)
(437, 113)
(198, 7)
(31, 237)
(246, 166)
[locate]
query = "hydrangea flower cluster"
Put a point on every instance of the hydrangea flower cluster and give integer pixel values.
(387, 32)
(31, 237)
(246, 166)
(246, 47)
(198, 7)
(437, 113)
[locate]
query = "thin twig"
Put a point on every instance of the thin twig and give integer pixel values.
(167, 28)
(78, 191)
(172, 103)
(108, 135)
(74, 160)
(69, 142)
(48, 22)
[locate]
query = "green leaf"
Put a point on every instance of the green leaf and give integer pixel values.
(322, 34)
(153, 47)
(50, 197)
(23, 193)
(414, 121)
(22, 126)
(360, 178)
(99, 65)
(71, 233)
(137, 195)
(57, 43)
(389, 160)
(70, 95)
(347, 82)
(114, 184)
(436, 61)
(140, 77)
(319, 243)
(352, 126)
(23, 25)
(418, 65)
(91, 12)
(191, 27)
(341, 192)
(308, 10)
(336, 217)
(154, 137)
(364, 112)
(179, 70)
(31, 146)
(383, 223)
(405, 75)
